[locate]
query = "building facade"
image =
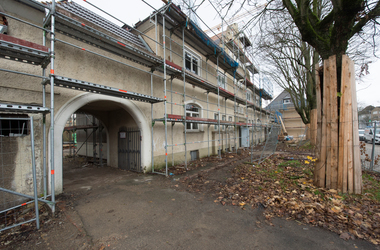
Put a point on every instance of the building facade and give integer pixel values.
(292, 121)
(162, 89)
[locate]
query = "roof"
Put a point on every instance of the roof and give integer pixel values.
(277, 103)
(79, 11)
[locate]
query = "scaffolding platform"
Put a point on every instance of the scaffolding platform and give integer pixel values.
(71, 83)
(20, 50)
(22, 108)
(175, 70)
(178, 118)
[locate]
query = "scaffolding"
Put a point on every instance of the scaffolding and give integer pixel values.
(172, 19)
(38, 55)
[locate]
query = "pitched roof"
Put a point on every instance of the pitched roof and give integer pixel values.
(96, 19)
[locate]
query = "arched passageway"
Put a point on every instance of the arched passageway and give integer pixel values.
(115, 114)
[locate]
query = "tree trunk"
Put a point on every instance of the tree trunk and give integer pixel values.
(313, 126)
(338, 165)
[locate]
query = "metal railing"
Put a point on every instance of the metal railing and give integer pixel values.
(369, 147)
(18, 190)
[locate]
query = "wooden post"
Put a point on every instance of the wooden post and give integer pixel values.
(338, 165)
(319, 171)
(313, 126)
(327, 118)
(334, 123)
(355, 133)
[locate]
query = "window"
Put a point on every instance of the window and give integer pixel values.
(286, 100)
(194, 155)
(14, 127)
(192, 62)
(248, 96)
(240, 83)
(216, 117)
(230, 120)
(375, 112)
(221, 80)
(192, 110)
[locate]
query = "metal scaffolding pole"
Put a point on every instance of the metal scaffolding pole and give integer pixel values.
(34, 173)
(100, 144)
(94, 139)
(235, 108)
(52, 53)
(85, 130)
(184, 90)
(165, 101)
(171, 111)
(217, 70)
(151, 113)
(44, 122)
(225, 115)
(208, 131)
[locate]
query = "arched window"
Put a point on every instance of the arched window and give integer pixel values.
(192, 110)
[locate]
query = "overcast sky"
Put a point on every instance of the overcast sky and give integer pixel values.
(130, 12)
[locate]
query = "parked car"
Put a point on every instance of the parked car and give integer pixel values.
(361, 135)
(368, 135)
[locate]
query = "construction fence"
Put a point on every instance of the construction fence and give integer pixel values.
(18, 184)
(369, 146)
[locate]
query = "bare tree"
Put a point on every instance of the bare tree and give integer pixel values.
(287, 59)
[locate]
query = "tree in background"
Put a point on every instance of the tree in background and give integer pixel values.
(288, 60)
(329, 31)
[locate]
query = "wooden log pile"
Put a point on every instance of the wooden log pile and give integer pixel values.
(338, 165)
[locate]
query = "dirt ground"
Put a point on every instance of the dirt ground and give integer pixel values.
(106, 208)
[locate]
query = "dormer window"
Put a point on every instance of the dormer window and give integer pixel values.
(286, 101)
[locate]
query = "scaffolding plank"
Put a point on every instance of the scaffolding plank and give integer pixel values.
(204, 84)
(179, 118)
(16, 49)
(22, 108)
(71, 83)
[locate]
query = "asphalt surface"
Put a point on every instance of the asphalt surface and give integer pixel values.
(112, 209)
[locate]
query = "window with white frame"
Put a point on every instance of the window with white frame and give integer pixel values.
(286, 101)
(249, 96)
(192, 110)
(192, 62)
(221, 80)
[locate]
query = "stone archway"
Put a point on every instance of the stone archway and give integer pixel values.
(79, 101)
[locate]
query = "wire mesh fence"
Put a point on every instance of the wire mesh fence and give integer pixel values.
(271, 142)
(369, 138)
(18, 178)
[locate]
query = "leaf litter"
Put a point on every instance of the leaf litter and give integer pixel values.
(283, 186)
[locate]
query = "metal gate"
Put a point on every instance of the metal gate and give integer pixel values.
(129, 149)
(244, 137)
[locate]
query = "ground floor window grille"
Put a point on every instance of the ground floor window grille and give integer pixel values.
(194, 155)
(14, 127)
